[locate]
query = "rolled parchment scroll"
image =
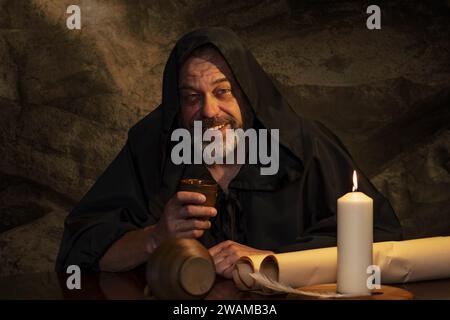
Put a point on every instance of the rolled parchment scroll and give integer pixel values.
(399, 261)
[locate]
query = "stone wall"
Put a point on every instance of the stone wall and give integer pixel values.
(67, 98)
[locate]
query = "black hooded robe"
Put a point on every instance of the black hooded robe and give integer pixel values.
(294, 209)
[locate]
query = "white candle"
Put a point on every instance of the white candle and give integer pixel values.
(354, 241)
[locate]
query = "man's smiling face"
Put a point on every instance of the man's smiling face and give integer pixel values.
(209, 93)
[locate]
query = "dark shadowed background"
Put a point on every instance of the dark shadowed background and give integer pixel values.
(68, 97)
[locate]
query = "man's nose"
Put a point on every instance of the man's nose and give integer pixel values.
(210, 107)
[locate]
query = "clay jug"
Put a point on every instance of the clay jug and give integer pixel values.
(180, 269)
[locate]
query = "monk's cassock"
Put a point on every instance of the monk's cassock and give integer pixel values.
(294, 209)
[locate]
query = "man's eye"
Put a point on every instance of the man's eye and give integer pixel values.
(223, 91)
(191, 97)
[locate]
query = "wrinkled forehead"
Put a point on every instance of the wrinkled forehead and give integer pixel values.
(204, 62)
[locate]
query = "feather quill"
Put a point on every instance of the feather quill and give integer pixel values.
(276, 286)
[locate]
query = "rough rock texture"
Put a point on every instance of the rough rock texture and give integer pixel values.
(68, 97)
(417, 184)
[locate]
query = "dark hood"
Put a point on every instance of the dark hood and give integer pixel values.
(270, 108)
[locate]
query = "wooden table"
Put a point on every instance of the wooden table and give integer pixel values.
(131, 285)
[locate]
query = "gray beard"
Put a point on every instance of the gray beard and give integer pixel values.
(227, 149)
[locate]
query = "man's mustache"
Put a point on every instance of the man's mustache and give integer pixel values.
(208, 123)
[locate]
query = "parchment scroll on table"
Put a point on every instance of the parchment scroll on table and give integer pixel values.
(399, 261)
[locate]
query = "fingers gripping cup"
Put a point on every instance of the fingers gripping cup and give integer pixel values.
(205, 187)
(180, 269)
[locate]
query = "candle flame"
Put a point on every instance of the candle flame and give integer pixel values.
(355, 181)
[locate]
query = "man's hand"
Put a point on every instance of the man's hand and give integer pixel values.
(225, 255)
(183, 217)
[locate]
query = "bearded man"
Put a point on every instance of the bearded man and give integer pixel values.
(134, 206)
